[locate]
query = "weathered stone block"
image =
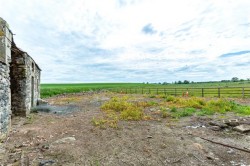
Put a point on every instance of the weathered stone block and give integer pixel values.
(242, 128)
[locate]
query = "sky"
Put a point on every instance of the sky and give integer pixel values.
(82, 41)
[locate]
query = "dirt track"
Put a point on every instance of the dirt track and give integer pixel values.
(72, 139)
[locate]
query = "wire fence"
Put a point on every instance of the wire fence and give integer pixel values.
(238, 92)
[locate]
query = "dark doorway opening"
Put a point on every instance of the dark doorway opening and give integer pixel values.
(32, 91)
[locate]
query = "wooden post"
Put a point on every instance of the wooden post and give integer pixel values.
(164, 91)
(149, 91)
(175, 92)
(136, 90)
(126, 90)
(130, 90)
(219, 92)
(157, 91)
(141, 90)
(243, 92)
(202, 92)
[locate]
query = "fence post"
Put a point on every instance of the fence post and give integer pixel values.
(164, 91)
(243, 92)
(149, 91)
(202, 92)
(136, 90)
(175, 92)
(219, 92)
(157, 91)
(141, 90)
(126, 90)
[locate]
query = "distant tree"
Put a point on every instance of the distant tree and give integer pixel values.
(241, 80)
(185, 82)
(235, 79)
(179, 82)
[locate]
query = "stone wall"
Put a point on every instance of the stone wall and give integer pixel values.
(5, 42)
(5, 97)
(5, 106)
(25, 81)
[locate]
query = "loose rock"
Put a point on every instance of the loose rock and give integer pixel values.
(215, 128)
(65, 140)
(242, 128)
(232, 122)
(46, 162)
(219, 124)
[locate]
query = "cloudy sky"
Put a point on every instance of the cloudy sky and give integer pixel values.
(133, 40)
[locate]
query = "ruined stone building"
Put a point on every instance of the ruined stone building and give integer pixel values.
(19, 79)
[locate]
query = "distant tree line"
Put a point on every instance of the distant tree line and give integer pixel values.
(234, 79)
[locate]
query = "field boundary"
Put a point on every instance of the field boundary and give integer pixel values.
(239, 92)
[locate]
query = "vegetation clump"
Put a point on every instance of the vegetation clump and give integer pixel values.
(201, 107)
(122, 108)
(119, 108)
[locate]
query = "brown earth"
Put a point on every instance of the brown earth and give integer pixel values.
(72, 139)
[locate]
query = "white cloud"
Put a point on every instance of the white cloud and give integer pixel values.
(188, 38)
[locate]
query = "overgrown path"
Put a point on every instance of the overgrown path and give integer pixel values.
(89, 132)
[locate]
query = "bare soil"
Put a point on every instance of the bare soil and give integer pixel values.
(70, 138)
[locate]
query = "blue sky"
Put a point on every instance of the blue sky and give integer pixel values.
(133, 40)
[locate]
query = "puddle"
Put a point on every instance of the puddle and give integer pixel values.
(56, 109)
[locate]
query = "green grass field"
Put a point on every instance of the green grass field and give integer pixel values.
(227, 89)
(48, 90)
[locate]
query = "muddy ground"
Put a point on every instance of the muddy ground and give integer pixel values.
(68, 137)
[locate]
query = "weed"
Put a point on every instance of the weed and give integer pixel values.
(103, 123)
(142, 104)
(147, 117)
(132, 113)
(220, 106)
(163, 96)
(243, 110)
(204, 112)
(98, 122)
(194, 102)
(164, 112)
(173, 109)
(116, 104)
(184, 112)
(152, 103)
(119, 108)
(170, 98)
